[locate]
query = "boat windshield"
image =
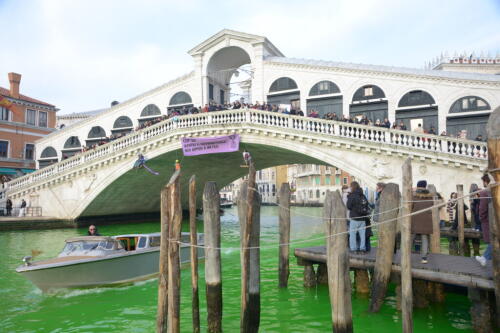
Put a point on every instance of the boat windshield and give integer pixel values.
(90, 248)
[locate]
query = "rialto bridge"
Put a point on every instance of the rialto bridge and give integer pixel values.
(103, 182)
(72, 184)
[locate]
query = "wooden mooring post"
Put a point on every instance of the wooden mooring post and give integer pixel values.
(461, 219)
(211, 224)
(162, 313)
(284, 230)
(339, 282)
(250, 265)
(193, 239)
(390, 199)
(493, 130)
(174, 263)
(435, 290)
(406, 279)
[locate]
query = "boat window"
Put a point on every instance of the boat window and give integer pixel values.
(142, 242)
(109, 245)
(154, 241)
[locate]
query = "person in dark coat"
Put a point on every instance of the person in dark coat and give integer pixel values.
(93, 231)
(421, 224)
(356, 219)
(8, 207)
(474, 207)
(484, 201)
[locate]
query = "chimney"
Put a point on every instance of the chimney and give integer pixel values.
(14, 80)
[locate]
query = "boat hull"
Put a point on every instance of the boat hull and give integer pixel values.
(100, 271)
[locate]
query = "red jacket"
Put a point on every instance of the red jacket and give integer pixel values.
(484, 201)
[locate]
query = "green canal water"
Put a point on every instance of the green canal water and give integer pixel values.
(132, 308)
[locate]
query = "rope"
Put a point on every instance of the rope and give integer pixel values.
(325, 237)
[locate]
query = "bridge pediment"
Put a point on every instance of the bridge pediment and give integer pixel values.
(226, 35)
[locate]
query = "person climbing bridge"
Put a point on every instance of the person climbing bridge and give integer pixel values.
(141, 163)
(177, 165)
(247, 158)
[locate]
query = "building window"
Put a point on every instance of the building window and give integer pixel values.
(317, 180)
(42, 119)
(368, 91)
(327, 180)
(337, 180)
(31, 117)
(29, 151)
(317, 194)
(4, 113)
(4, 149)
(345, 181)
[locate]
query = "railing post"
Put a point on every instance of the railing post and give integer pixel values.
(209, 119)
(248, 116)
(336, 128)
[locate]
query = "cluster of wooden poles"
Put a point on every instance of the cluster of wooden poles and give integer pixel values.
(168, 315)
(338, 266)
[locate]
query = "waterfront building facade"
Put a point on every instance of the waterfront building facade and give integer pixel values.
(24, 120)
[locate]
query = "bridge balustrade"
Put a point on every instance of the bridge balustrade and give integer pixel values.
(426, 142)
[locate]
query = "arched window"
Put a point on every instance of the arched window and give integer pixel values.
(180, 97)
(369, 101)
(470, 103)
(283, 83)
(122, 122)
(72, 142)
(48, 157)
(49, 152)
(96, 132)
(324, 88)
(150, 111)
(368, 92)
(416, 98)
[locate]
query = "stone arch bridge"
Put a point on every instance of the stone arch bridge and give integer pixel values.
(102, 182)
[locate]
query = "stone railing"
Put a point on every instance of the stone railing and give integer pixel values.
(404, 139)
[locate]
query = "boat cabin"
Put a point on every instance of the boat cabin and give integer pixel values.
(93, 246)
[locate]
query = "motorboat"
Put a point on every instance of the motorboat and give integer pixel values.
(91, 261)
(224, 203)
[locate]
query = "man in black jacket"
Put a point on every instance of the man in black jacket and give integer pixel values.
(356, 203)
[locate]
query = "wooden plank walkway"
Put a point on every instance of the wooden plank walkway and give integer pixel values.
(443, 268)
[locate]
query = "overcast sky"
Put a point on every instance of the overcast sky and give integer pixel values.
(81, 55)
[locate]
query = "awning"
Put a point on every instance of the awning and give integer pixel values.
(8, 171)
(28, 170)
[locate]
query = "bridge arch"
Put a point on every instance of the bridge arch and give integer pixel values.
(418, 107)
(48, 157)
(150, 111)
(369, 100)
(180, 100)
(469, 114)
(324, 97)
(96, 134)
(122, 125)
(221, 66)
(71, 147)
(284, 90)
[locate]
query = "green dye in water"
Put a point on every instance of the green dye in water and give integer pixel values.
(132, 308)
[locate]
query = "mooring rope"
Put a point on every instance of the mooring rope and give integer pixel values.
(332, 235)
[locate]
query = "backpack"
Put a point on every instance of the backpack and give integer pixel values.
(361, 206)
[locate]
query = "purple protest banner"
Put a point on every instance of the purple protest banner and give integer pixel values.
(212, 145)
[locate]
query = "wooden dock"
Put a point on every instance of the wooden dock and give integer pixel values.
(442, 268)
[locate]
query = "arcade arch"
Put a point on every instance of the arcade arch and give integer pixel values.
(149, 112)
(48, 157)
(221, 67)
(96, 135)
(122, 125)
(284, 91)
(179, 101)
(71, 147)
(418, 107)
(325, 97)
(369, 100)
(468, 116)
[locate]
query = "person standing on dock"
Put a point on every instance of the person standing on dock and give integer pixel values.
(22, 209)
(8, 207)
(421, 224)
(484, 201)
(358, 210)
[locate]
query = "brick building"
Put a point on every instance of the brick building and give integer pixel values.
(23, 120)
